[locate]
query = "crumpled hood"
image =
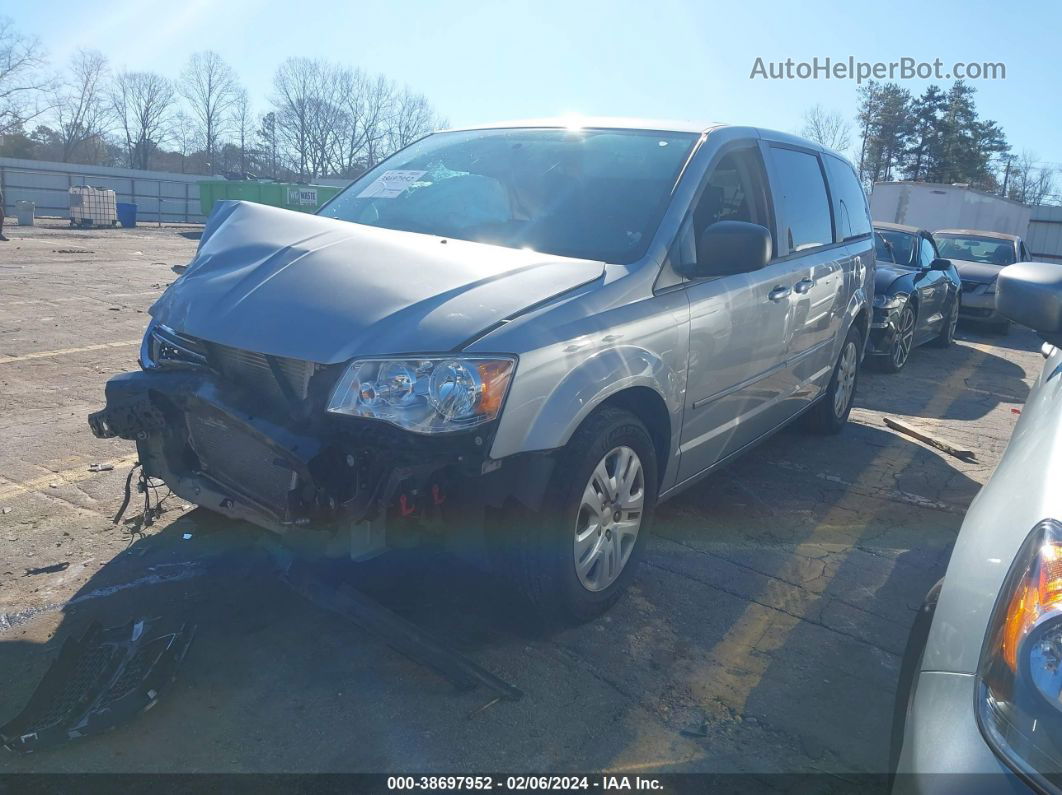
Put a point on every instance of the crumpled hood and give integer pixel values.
(885, 274)
(979, 272)
(302, 286)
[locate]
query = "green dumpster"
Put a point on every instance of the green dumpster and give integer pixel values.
(289, 195)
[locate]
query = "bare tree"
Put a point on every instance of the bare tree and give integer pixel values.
(1027, 182)
(243, 126)
(310, 113)
(22, 78)
(142, 103)
(412, 117)
(270, 143)
(212, 90)
(82, 113)
(828, 128)
(183, 135)
(369, 103)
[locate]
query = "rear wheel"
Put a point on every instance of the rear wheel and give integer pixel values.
(831, 412)
(575, 558)
(947, 333)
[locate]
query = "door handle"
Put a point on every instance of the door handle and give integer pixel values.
(778, 293)
(803, 286)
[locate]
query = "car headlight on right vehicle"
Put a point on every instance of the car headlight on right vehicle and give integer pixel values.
(1019, 677)
(889, 302)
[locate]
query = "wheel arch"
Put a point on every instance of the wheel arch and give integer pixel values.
(628, 377)
(648, 406)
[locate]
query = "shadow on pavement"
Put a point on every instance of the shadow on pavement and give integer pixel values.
(992, 380)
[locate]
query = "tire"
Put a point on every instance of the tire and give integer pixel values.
(542, 560)
(902, 343)
(910, 665)
(830, 413)
(946, 338)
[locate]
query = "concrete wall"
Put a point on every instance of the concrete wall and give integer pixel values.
(158, 195)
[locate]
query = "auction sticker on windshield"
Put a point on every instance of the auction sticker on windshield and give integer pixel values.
(390, 184)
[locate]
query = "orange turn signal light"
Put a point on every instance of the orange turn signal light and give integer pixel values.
(1040, 592)
(494, 378)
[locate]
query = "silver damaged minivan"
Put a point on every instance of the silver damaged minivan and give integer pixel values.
(515, 339)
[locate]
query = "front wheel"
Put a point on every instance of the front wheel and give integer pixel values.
(902, 342)
(830, 414)
(575, 558)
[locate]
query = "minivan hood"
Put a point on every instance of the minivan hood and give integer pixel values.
(979, 272)
(307, 287)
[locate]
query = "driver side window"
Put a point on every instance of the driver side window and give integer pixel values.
(734, 191)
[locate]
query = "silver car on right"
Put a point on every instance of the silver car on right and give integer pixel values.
(979, 707)
(979, 256)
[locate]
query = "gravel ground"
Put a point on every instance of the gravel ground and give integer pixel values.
(763, 634)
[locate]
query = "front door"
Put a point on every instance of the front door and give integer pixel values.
(739, 326)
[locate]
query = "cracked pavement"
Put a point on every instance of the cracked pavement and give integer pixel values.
(771, 611)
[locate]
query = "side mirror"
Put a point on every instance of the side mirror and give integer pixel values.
(728, 247)
(940, 264)
(1030, 293)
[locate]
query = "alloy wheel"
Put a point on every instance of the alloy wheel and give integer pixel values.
(846, 378)
(609, 518)
(901, 347)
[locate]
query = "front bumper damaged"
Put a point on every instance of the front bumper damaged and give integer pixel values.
(883, 330)
(353, 485)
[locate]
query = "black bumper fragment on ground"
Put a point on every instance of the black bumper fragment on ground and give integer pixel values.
(98, 681)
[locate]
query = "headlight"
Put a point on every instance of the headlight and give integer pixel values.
(991, 288)
(889, 301)
(147, 348)
(1019, 676)
(425, 394)
(164, 347)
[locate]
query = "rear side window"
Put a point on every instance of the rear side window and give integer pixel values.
(849, 202)
(800, 198)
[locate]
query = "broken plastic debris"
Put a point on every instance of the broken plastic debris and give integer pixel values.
(98, 680)
(5, 509)
(100, 467)
(187, 536)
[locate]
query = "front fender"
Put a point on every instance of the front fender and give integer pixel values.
(584, 388)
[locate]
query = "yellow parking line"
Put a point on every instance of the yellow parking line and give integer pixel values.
(10, 488)
(64, 351)
(743, 655)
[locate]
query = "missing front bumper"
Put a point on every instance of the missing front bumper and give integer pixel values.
(362, 483)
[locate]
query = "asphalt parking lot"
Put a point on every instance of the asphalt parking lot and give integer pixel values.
(763, 634)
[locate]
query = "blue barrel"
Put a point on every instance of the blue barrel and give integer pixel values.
(126, 214)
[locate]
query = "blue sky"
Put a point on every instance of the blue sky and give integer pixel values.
(480, 61)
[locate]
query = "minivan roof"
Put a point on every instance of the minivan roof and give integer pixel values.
(655, 125)
(598, 122)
